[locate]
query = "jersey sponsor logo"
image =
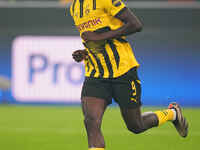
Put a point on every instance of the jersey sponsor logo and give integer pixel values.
(89, 24)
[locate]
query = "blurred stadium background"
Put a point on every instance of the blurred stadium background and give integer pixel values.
(40, 84)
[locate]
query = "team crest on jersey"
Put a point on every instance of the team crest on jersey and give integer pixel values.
(87, 10)
(76, 14)
(116, 3)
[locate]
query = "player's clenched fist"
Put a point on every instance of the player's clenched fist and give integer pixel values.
(79, 55)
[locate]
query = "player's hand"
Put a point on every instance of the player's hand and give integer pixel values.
(79, 55)
(91, 36)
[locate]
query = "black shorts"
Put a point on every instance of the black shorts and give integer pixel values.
(125, 90)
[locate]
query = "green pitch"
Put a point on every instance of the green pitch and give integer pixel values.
(61, 128)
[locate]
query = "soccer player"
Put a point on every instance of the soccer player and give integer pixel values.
(111, 70)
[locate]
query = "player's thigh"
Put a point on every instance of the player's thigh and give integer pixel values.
(127, 93)
(127, 90)
(93, 108)
(95, 96)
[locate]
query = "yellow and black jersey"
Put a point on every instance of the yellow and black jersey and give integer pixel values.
(110, 58)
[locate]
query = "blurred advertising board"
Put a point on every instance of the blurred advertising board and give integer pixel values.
(43, 69)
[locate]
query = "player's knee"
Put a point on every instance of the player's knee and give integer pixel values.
(92, 121)
(135, 130)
